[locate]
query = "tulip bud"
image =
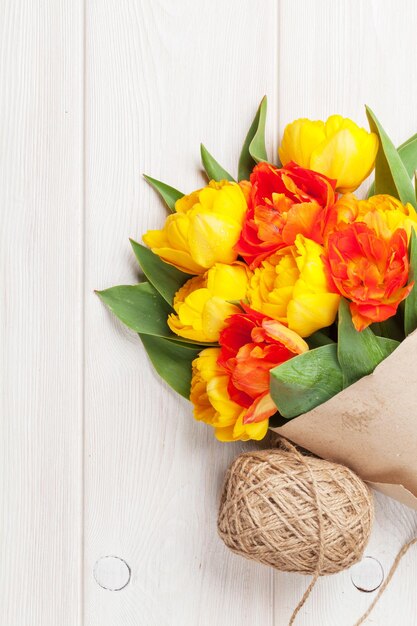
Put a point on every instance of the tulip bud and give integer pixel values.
(204, 229)
(337, 148)
(292, 287)
(204, 302)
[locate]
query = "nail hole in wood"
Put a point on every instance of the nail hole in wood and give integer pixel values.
(111, 573)
(367, 575)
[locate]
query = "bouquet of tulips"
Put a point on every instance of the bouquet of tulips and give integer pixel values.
(278, 294)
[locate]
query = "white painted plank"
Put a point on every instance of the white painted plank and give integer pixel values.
(161, 77)
(41, 69)
(334, 58)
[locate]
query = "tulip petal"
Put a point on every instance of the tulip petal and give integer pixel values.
(299, 140)
(263, 408)
(338, 148)
(349, 157)
(255, 430)
(229, 282)
(227, 410)
(212, 238)
(225, 434)
(179, 259)
(285, 335)
(311, 312)
(215, 312)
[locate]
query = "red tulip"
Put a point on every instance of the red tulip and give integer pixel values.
(281, 204)
(251, 345)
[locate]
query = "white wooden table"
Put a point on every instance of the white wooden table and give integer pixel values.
(99, 458)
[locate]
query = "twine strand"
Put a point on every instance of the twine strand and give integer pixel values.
(371, 607)
(295, 512)
(386, 582)
(289, 446)
(298, 513)
(303, 600)
(402, 552)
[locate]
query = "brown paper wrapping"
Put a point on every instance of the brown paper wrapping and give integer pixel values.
(371, 426)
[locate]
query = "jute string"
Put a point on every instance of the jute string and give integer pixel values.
(387, 581)
(321, 544)
(298, 514)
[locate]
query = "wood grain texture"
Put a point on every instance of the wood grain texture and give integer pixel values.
(41, 69)
(334, 57)
(161, 77)
(80, 124)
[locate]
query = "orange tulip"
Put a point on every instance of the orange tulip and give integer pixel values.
(371, 271)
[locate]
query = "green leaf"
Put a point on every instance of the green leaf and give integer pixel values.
(257, 148)
(408, 154)
(305, 381)
(254, 149)
(166, 278)
(415, 183)
(317, 339)
(388, 345)
(359, 352)
(168, 194)
(392, 328)
(172, 362)
(140, 307)
(391, 176)
(410, 312)
(213, 169)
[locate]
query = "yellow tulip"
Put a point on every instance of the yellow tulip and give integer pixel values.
(212, 403)
(382, 212)
(204, 229)
(203, 303)
(291, 286)
(337, 148)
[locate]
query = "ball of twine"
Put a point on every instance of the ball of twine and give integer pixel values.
(299, 514)
(296, 513)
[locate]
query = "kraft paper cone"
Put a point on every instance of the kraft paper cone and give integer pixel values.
(371, 426)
